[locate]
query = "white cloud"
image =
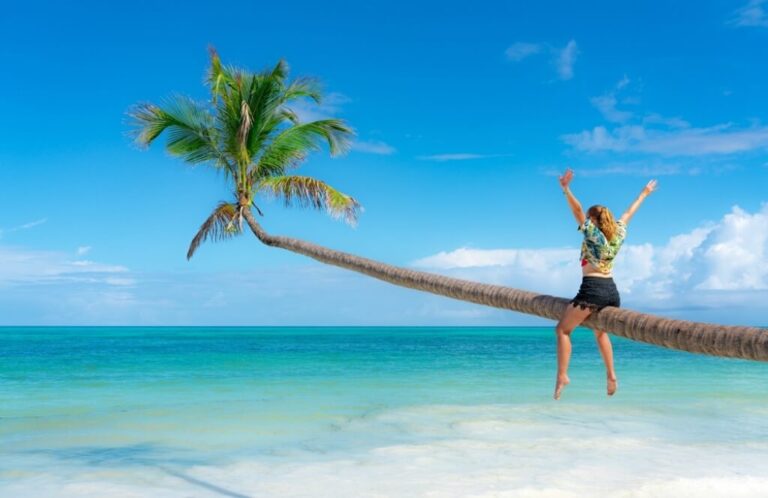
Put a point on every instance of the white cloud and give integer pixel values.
(21, 266)
(713, 265)
(736, 254)
(639, 168)
(373, 147)
(624, 81)
(600, 138)
(606, 104)
(465, 257)
(521, 50)
(655, 134)
(83, 250)
(563, 58)
(31, 224)
(25, 226)
(752, 14)
(674, 122)
(549, 270)
(566, 60)
(632, 168)
(716, 140)
(120, 281)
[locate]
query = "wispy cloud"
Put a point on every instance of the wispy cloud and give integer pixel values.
(673, 122)
(120, 281)
(373, 147)
(31, 224)
(566, 59)
(308, 110)
(563, 58)
(636, 169)
(607, 102)
(25, 226)
(331, 106)
(651, 133)
(461, 156)
(58, 288)
(632, 168)
(521, 50)
(751, 14)
(83, 250)
(716, 140)
(21, 266)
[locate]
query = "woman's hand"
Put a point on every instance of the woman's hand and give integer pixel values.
(650, 187)
(566, 178)
(573, 203)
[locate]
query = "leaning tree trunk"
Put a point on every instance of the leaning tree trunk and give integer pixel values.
(696, 337)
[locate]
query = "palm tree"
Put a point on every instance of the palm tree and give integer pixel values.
(249, 132)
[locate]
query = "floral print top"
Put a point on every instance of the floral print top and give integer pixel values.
(596, 249)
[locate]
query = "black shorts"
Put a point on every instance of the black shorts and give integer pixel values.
(596, 293)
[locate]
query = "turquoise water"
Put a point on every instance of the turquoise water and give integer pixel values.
(369, 412)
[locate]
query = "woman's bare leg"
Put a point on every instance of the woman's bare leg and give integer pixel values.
(571, 318)
(606, 351)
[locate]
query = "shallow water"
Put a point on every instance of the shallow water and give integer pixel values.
(369, 412)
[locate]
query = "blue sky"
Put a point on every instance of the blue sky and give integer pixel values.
(464, 115)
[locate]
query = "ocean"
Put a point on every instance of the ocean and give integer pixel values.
(370, 411)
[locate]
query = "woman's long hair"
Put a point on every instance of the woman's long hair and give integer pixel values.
(605, 221)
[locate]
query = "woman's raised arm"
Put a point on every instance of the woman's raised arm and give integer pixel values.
(640, 198)
(573, 203)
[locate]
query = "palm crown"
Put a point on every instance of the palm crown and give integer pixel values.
(249, 132)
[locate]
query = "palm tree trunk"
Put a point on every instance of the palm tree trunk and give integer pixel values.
(719, 340)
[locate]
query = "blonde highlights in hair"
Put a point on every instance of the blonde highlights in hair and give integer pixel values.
(604, 221)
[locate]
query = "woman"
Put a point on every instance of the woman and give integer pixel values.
(603, 237)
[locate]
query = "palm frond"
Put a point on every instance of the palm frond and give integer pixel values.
(309, 192)
(246, 122)
(188, 125)
(264, 99)
(222, 224)
(280, 71)
(303, 87)
(216, 75)
(293, 144)
(285, 114)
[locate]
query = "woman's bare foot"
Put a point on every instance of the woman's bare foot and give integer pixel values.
(613, 384)
(562, 381)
